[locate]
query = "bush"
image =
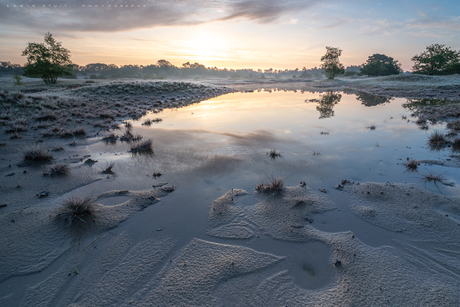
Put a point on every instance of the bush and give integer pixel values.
(76, 211)
(37, 153)
(381, 65)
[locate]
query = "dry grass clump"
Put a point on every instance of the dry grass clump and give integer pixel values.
(142, 147)
(65, 133)
(456, 145)
(79, 131)
(147, 122)
(455, 125)
(57, 169)
(16, 128)
(128, 136)
(371, 127)
(274, 184)
(46, 115)
(437, 138)
(437, 141)
(37, 153)
(108, 168)
(411, 165)
(106, 114)
(111, 138)
(273, 154)
(77, 211)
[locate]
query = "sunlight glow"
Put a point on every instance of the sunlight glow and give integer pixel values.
(206, 46)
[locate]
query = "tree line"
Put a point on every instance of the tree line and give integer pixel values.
(49, 60)
(435, 60)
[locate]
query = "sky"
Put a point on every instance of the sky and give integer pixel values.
(278, 34)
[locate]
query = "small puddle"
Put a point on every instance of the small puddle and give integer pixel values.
(113, 201)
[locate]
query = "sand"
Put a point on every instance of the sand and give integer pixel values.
(255, 249)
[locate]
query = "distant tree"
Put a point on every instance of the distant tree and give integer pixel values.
(9, 68)
(48, 60)
(381, 65)
(436, 60)
(304, 73)
(331, 64)
(355, 68)
(350, 73)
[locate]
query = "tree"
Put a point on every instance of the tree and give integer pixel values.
(381, 65)
(436, 60)
(48, 60)
(332, 66)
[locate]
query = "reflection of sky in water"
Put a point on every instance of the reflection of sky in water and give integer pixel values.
(247, 125)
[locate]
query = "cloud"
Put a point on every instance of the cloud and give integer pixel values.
(338, 23)
(122, 15)
(425, 22)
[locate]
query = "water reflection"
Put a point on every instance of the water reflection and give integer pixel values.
(370, 100)
(416, 104)
(326, 104)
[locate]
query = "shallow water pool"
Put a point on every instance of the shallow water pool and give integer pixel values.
(322, 137)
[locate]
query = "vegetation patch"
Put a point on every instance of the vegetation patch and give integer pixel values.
(274, 184)
(273, 154)
(142, 147)
(57, 169)
(37, 153)
(76, 211)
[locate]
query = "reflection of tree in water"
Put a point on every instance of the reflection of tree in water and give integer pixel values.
(417, 104)
(370, 100)
(433, 110)
(326, 104)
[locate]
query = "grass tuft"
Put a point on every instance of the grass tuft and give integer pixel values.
(142, 147)
(437, 138)
(273, 154)
(411, 166)
(57, 169)
(147, 122)
(456, 145)
(454, 125)
(46, 115)
(371, 127)
(37, 153)
(274, 184)
(77, 211)
(110, 138)
(108, 168)
(128, 136)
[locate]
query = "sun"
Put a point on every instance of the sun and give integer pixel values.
(207, 45)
